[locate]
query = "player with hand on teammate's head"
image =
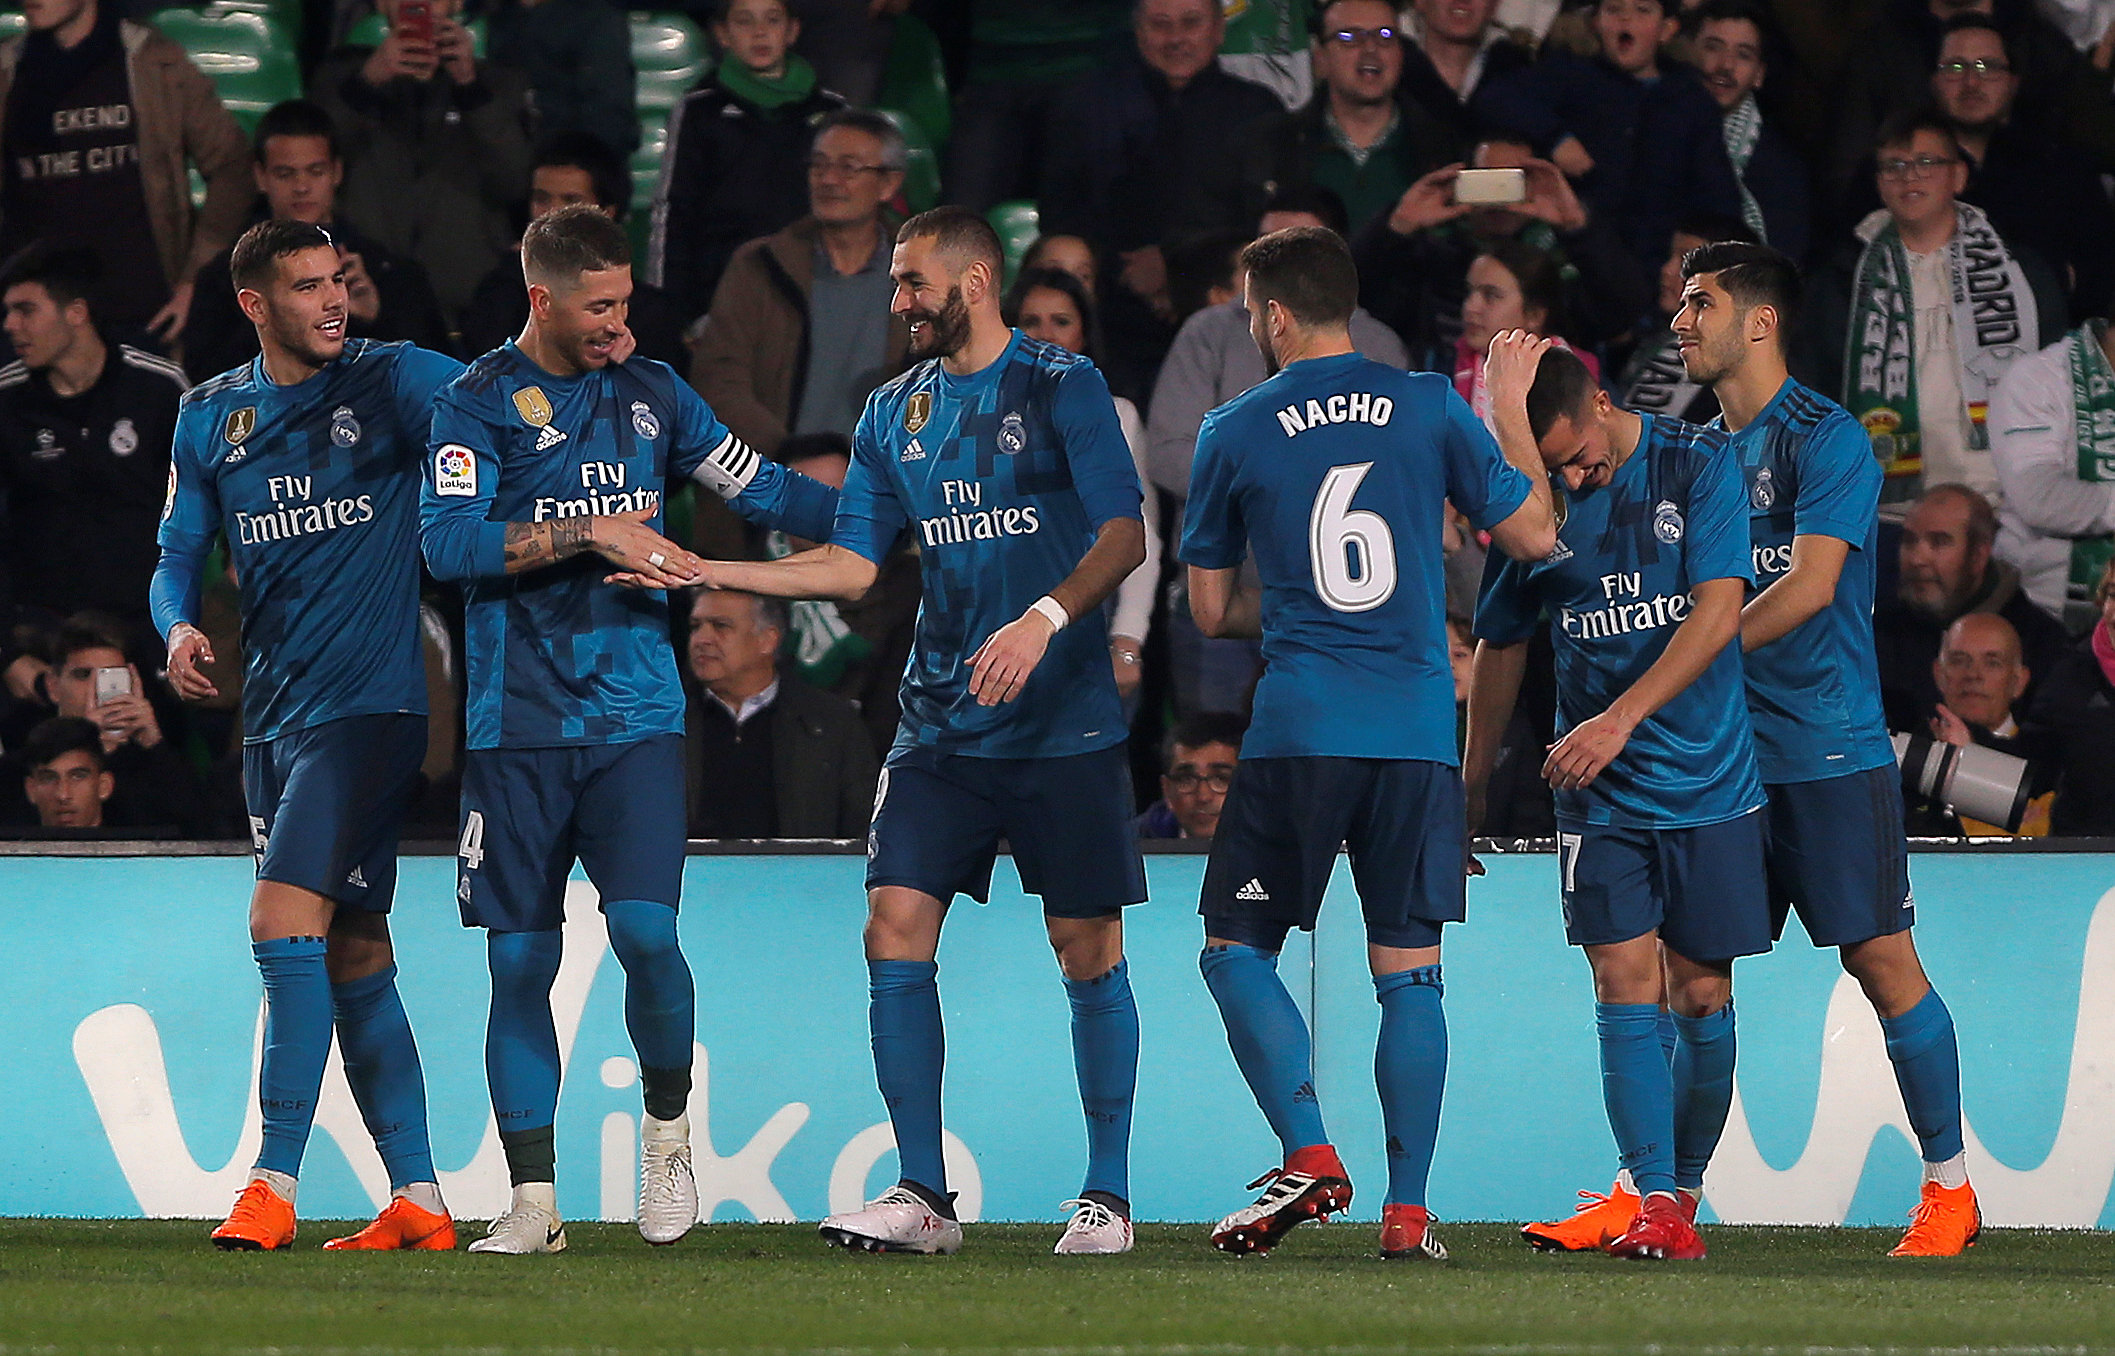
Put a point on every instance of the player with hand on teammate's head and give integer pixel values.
(551, 459)
(1335, 473)
(1659, 808)
(1837, 853)
(306, 458)
(1004, 458)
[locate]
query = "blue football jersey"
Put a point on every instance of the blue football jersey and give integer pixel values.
(557, 656)
(316, 486)
(1814, 693)
(1619, 584)
(1004, 477)
(1336, 472)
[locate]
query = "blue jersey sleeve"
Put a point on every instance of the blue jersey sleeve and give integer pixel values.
(190, 521)
(762, 491)
(1717, 543)
(1214, 537)
(1480, 481)
(1839, 483)
(1103, 473)
(461, 471)
(870, 516)
(1508, 605)
(416, 383)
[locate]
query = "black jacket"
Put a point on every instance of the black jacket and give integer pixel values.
(1908, 642)
(823, 768)
(1424, 86)
(1777, 177)
(2044, 197)
(2076, 710)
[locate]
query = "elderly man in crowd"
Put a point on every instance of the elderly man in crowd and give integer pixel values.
(1981, 679)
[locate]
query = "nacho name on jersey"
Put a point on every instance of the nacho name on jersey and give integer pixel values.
(1355, 407)
(967, 519)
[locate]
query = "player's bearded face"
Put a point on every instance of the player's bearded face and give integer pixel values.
(1259, 330)
(305, 308)
(938, 334)
(590, 319)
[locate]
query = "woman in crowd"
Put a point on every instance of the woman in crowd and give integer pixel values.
(1512, 286)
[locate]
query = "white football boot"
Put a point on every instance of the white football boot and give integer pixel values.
(898, 1220)
(531, 1224)
(1093, 1228)
(668, 1194)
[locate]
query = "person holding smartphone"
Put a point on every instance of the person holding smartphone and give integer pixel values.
(92, 679)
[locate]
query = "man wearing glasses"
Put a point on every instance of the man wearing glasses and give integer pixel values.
(1198, 762)
(799, 329)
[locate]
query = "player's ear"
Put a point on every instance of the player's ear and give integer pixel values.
(1762, 322)
(539, 301)
(105, 785)
(252, 303)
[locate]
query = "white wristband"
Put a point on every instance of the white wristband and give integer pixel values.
(1052, 611)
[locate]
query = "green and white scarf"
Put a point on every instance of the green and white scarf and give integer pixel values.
(1994, 322)
(1742, 129)
(2093, 415)
(823, 646)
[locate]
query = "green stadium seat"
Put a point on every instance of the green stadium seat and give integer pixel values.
(915, 80)
(670, 55)
(252, 61)
(646, 174)
(921, 179)
(1018, 224)
(13, 24)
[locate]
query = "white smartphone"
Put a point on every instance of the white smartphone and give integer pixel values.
(1491, 187)
(112, 683)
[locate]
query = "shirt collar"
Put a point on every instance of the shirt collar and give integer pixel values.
(750, 705)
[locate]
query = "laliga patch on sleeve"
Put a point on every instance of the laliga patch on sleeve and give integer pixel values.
(455, 471)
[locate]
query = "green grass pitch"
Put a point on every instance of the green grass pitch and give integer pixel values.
(71, 1285)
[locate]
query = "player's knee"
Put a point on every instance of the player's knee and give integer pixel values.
(641, 932)
(1086, 947)
(523, 964)
(355, 955)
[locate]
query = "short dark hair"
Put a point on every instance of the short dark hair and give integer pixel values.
(1202, 728)
(1307, 270)
(1056, 280)
(1961, 23)
(1901, 128)
(1540, 276)
(50, 740)
(895, 152)
(88, 631)
(561, 246)
(255, 258)
(68, 273)
(1563, 388)
(1753, 275)
(294, 118)
(1728, 11)
(1325, 205)
(1201, 263)
(605, 169)
(958, 232)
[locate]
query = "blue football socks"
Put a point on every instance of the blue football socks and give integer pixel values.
(521, 1048)
(1703, 1092)
(1105, 1059)
(1639, 1092)
(1927, 1062)
(910, 1046)
(382, 1065)
(297, 1025)
(1269, 1039)
(1410, 1069)
(660, 1001)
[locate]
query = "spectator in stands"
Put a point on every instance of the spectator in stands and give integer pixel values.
(298, 170)
(2058, 521)
(100, 118)
(769, 756)
(1637, 133)
(849, 42)
(569, 169)
(91, 679)
(436, 146)
(1890, 339)
(1981, 679)
(1022, 55)
(65, 777)
(1413, 260)
(1947, 571)
(577, 55)
(1511, 285)
(1732, 45)
(1654, 380)
(1453, 47)
(85, 427)
(737, 147)
(1355, 137)
(1050, 305)
(1197, 761)
(2075, 709)
(800, 330)
(2034, 190)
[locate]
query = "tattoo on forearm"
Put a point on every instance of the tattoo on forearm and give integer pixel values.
(531, 546)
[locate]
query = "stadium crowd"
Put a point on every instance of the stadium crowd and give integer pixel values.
(1940, 167)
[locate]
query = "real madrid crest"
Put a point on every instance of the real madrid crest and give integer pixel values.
(344, 429)
(1013, 434)
(533, 406)
(917, 410)
(1667, 522)
(124, 438)
(240, 424)
(643, 422)
(1763, 493)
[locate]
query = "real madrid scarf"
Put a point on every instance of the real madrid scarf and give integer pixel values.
(823, 646)
(2093, 413)
(1742, 129)
(1994, 321)
(1657, 382)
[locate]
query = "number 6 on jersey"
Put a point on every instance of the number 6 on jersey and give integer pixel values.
(1352, 549)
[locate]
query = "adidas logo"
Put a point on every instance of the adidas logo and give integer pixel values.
(1558, 554)
(913, 451)
(548, 437)
(1254, 892)
(353, 877)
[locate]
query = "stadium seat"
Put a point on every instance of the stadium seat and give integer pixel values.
(646, 174)
(921, 180)
(1018, 224)
(915, 80)
(12, 24)
(252, 60)
(670, 55)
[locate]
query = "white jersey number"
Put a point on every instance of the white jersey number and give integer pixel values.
(1352, 549)
(472, 848)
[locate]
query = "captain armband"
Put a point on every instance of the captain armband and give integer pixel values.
(729, 468)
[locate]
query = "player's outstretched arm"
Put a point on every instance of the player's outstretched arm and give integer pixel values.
(644, 558)
(1223, 609)
(831, 571)
(1799, 594)
(1002, 664)
(1714, 620)
(1494, 687)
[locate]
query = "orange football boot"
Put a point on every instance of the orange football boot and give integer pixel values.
(1599, 1221)
(261, 1221)
(1946, 1223)
(401, 1225)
